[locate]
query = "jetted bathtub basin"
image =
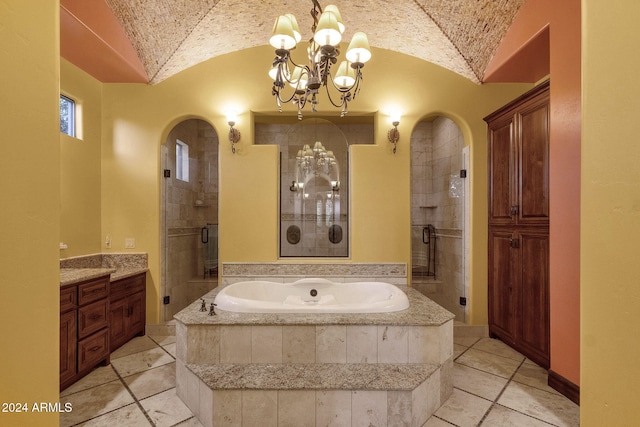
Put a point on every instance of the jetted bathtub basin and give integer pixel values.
(311, 296)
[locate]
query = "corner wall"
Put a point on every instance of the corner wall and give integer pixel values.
(563, 18)
(29, 218)
(610, 214)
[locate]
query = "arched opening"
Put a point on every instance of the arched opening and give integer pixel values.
(439, 213)
(189, 214)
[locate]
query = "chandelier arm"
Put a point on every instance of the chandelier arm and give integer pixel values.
(345, 96)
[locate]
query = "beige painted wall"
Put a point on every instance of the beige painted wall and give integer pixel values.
(29, 218)
(80, 165)
(610, 215)
(137, 119)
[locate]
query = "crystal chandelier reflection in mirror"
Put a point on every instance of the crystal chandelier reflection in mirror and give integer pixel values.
(316, 161)
(322, 53)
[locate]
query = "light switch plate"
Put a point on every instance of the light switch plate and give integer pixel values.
(129, 243)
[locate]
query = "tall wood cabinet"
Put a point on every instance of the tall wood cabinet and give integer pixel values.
(518, 148)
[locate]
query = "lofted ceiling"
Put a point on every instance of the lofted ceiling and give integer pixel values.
(151, 40)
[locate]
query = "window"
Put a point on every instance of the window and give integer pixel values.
(67, 116)
(182, 161)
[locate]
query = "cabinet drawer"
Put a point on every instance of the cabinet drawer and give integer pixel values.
(93, 317)
(93, 349)
(128, 286)
(93, 290)
(68, 298)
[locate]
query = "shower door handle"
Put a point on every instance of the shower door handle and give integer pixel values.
(425, 240)
(204, 235)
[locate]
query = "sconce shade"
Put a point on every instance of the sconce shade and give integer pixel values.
(283, 36)
(346, 75)
(334, 9)
(328, 31)
(358, 50)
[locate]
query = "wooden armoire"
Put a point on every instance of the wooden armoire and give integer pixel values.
(518, 152)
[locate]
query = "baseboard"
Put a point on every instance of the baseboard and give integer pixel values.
(564, 387)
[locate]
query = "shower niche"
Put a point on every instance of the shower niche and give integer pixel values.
(314, 183)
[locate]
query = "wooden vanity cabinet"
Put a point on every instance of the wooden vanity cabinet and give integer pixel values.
(84, 328)
(128, 309)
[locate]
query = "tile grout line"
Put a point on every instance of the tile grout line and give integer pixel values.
(495, 401)
(134, 397)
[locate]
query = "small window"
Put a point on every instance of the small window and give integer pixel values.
(67, 116)
(182, 161)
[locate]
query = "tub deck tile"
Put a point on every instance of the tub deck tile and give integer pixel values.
(321, 376)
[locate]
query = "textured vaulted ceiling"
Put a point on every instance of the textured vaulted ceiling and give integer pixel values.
(172, 35)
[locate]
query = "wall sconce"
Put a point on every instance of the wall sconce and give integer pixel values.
(394, 134)
(234, 134)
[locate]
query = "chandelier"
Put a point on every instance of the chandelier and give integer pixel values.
(322, 52)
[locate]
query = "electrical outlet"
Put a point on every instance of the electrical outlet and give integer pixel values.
(129, 243)
(166, 300)
(107, 242)
(463, 301)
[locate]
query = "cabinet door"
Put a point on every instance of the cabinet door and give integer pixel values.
(118, 323)
(137, 316)
(533, 159)
(501, 171)
(502, 286)
(67, 346)
(533, 334)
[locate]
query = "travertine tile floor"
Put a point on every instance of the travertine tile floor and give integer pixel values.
(493, 386)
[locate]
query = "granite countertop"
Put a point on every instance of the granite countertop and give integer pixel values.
(69, 276)
(87, 267)
(422, 311)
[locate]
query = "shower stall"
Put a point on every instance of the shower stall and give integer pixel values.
(439, 213)
(189, 215)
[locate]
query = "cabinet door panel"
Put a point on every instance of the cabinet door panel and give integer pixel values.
(534, 164)
(137, 314)
(502, 289)
(118, 323)
(67, 346)
(534, 324)
(501, 172)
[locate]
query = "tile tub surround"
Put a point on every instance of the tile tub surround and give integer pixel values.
(342, 364)
(394, 273)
